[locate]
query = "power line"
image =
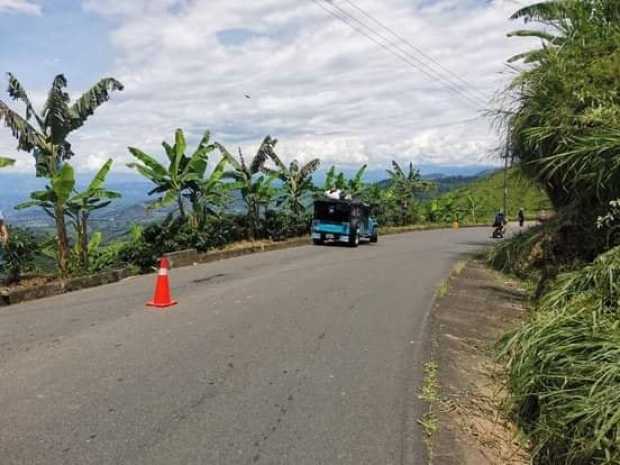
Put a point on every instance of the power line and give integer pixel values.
(345, 18)
(408, 54)
(391, 31)
(385, 43)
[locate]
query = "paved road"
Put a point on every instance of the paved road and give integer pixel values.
(305, 356)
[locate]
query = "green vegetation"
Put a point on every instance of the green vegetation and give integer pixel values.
(479, 201)
(297, 181)
(46, 140)
(565, 368)
(255, 187)
(184, 179)
(405, 186)
(563, 128)
(4, 162)
(430, 394)
(442, 290)
(20, 253)
(82, 204)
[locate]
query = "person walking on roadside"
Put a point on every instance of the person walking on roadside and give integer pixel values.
(4, 232)
(521, 217)
(4, 237)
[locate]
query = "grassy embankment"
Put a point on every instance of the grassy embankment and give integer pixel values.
(480, 201)
(564, 361)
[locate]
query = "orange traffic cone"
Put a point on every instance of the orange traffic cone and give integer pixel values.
(162, 297)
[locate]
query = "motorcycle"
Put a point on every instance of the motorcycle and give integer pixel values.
(498, 232)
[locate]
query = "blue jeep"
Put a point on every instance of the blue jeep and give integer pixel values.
(347, 221)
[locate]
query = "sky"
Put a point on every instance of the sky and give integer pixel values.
(321, 88)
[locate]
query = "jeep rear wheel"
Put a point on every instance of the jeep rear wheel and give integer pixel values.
(354, 239)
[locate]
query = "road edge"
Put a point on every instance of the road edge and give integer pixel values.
(476, 307)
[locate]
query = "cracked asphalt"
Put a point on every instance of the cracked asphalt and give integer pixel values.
(311, 355)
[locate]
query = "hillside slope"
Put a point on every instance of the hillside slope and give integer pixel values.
(481, 199)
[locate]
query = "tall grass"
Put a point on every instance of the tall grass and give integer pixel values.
(564, 366)
(515, 256)
(603, 275)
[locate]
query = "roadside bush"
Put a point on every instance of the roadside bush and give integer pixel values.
(19, 254)
(564, 366)
(148, 245)
(100, 257)
(279, 225)
(567, 242)
(602, 276)
(520, 255)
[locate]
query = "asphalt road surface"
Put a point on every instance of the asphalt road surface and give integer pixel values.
(312, 355)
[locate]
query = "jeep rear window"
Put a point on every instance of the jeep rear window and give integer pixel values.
(332, 212)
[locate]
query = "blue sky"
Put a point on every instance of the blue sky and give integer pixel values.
(62, 39)
(320, 87)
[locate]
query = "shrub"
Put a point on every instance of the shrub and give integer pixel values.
(281, 224)
(19, 254)
(520, 255)
(564, 366)
(148, 245)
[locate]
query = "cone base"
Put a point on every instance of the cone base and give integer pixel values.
(156, 305)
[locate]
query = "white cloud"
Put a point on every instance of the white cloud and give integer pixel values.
(321, 88)
(19, 6)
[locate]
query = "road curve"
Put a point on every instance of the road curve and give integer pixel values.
(310, 355)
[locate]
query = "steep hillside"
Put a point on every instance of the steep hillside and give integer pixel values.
(481, 199)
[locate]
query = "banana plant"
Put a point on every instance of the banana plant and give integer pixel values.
(296, 179)
(45, 135)
(53, 201)
(81, 205)
(352, 188)
(213, 194)
(182, 178)
(333, 179)
(406, 185)
(4, 162)
(255, 190)
(355, 185)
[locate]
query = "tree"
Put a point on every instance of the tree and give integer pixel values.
(53, 201)
(355, 186)
(80, 206)
(473, 207)
(296, 179)
(333, 179)
(255, 188)
(46, 137)
(4, 162)
(182, 178)
(562, 114)
(406, 185)
(383, 204)
(212, 194)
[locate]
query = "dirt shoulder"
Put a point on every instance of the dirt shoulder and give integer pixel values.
(473, 310)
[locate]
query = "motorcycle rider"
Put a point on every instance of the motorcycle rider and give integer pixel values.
(500, 222)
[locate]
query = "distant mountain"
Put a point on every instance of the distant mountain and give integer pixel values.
(374, 174)
(16, 188)
(132, 206)
(445, 183)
